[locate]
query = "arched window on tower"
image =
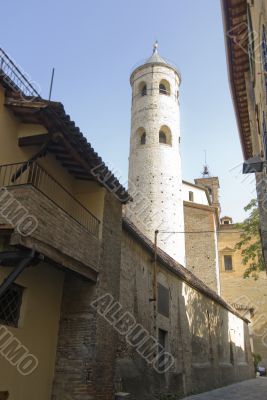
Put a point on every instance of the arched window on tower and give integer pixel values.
(165, 136)
(143, 89)
(143, 138)
(162, 137)
(140, 136)
(164, 87)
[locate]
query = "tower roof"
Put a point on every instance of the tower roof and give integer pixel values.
(156, 59)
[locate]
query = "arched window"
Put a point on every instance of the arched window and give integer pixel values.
(143, 138)
(164, 87)
(165, 136)
(140, 136)
(143, 89)
(162, 137)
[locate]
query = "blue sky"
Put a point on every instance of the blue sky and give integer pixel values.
(94, 45)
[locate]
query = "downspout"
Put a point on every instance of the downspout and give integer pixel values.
(24, 263)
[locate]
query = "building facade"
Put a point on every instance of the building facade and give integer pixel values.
(245, 27)
(247, 296)
(201, 218)
(77, 279)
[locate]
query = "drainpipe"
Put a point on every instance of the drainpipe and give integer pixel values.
(24, 263)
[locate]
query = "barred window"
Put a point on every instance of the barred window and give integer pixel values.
(10, 304)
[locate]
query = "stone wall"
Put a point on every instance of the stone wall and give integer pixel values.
(201, 248)
(248, 295)
(209, 343)
(85, 367)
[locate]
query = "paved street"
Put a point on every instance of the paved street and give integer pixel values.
(255, 389)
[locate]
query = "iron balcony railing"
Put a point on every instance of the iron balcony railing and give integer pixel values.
(33, 174)
(15, 78)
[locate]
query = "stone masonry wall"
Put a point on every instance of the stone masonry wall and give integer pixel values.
(210, 345)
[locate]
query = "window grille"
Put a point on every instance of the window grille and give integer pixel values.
(10, 304)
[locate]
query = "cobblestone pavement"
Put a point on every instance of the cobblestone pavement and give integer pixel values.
(254, 389)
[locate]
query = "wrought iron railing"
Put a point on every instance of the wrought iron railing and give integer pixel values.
(35, 175)
(15, 78)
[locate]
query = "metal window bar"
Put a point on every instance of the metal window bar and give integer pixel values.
(38, 177)
(10, 303)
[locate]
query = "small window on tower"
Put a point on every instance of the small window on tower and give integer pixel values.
(165, 135)
(143, 89)
(164, 87)
(143, 138)
(140, 136)
(191, 196)
(228, 263)
(162, 137)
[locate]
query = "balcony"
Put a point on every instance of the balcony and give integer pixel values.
(33, 174)
(67, 232)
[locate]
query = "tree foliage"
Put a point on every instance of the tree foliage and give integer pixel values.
(250, 242)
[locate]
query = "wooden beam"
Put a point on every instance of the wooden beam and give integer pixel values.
(33, 140)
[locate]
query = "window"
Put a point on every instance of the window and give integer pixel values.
(191, 196)
(143, 138)
(226, 222)
(162, 340)
(228, 263)
(162, 137)
(10, 303)
(143, 89)
(164, 87)
(140, 136)
(163, 301)
(165, 136)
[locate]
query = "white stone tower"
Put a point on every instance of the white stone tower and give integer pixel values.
(155, 178)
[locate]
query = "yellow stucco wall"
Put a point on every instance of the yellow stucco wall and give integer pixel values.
(90, 194)
(37, 331)
(249, 293)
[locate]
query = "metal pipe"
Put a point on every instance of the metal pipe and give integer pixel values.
(16, 272)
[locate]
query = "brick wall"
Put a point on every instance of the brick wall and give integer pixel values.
(85, 364)
(198, 330)
(201, 251)
(57, 233)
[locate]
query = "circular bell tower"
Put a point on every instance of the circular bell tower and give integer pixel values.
(155, 178)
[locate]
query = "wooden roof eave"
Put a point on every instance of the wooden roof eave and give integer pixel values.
(70, 146)
(236, 73)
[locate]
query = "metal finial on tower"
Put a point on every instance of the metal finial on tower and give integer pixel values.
(155, 47)
(205, 173)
